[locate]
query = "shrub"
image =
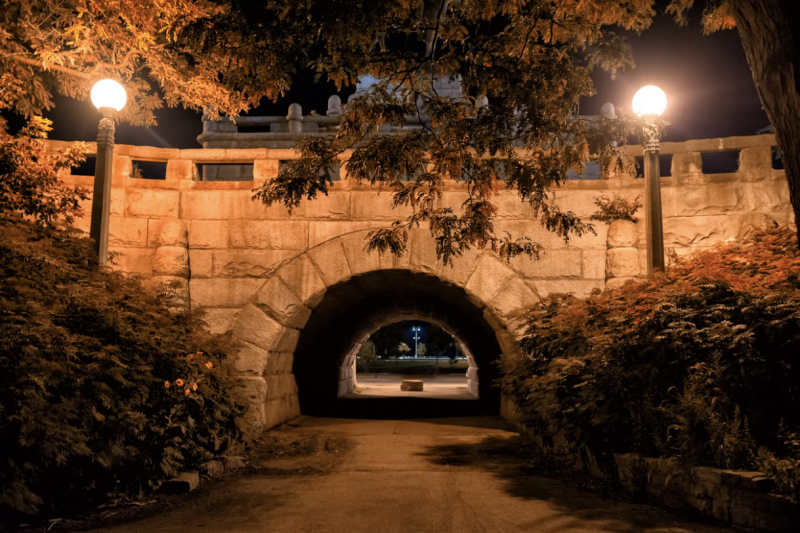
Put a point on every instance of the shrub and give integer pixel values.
(702, 364)
(106, 392)
(617, 208)
(29, 183)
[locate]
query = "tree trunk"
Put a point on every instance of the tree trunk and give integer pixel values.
(770, 32)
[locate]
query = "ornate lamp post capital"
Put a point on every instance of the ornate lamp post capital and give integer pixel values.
(106, 130)
(650, 140)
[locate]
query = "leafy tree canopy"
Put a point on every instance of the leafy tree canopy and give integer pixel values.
(367, 352)
(29, 183)
(422, 349)
(438, 342)
(700, 364)
(523, 65)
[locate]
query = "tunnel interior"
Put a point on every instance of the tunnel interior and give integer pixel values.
(350, 311)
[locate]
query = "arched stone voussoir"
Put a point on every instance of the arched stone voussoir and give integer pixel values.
(422, 252)
(358, 258)
(249, 359)
(361, 261)
(281, 303)
(514, 297)
(389, 261)
(287, 341)
(331, 261)
(508, 344)
(460, 268)
(510, 336)
(254, 390)
(254, 326)
(303, 279)
(506, 338)
(488, 279)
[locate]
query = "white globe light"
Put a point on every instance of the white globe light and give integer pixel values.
(649, 101)
(109, 93)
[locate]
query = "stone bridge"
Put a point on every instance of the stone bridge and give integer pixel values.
(300, 294)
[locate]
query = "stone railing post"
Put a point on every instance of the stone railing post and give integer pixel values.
(334, 106)
(264, 169)
(123, 168)
(181, 169)
(756, 163)
(622, 258)
(171, 261)
(295, 118)
(687, 168)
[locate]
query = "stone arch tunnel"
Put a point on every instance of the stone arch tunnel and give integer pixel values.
(299, 332)
(274, 279)
(350, 311)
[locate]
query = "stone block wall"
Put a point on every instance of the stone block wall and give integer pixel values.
(735, 497)
(228, 254)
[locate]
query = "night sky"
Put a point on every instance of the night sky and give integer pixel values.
(708, 84)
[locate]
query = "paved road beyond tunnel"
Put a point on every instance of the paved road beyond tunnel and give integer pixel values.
(434, 475)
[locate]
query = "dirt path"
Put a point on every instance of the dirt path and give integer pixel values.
(438, 475)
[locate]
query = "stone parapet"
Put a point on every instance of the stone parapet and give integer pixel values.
(735, 497)
(739, 498)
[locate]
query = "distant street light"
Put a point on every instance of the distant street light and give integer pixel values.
(416, 330)
(649, 102)
(108, 96)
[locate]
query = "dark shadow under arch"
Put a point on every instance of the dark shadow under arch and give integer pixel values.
(355, 307)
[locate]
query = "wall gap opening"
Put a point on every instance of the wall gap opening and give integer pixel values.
(720, 162)
(402, 357)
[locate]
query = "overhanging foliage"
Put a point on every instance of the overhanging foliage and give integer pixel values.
(702, 364)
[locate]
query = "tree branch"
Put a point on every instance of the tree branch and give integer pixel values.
(39, 64)
(20, 58)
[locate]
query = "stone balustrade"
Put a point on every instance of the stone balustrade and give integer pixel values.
(700, 210)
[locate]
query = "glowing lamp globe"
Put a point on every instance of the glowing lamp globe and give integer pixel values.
(649, 101)
(109, 93)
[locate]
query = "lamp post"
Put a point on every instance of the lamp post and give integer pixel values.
(649, 102)
(108, 96)
(416, 330)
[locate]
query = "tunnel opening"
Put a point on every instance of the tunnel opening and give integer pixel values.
(350, 312)
(413, 358)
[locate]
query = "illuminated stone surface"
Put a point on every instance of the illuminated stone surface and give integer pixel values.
(262, 273)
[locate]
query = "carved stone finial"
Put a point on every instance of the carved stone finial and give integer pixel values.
(295, 118)
(608, 110)
(334, 106)
(295, 112)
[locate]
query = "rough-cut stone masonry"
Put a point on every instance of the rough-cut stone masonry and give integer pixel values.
(260, 271)
(736, 497)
